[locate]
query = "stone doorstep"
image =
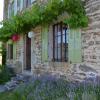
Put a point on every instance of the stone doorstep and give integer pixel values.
(27, 73)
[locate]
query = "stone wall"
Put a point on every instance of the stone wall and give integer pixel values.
(90, 49)
(91, 35)
(17, 62)
(5, 11)
(36, 50)
(90, 43)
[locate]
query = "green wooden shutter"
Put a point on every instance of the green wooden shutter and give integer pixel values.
(45, 43)
(78, 46)
(75, 55)
(71, 46)
(14, 50)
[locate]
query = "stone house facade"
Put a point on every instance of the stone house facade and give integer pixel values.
(48, 50)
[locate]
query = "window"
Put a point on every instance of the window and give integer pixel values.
(18, 5)
(27, 3)
(32, 1)
(11, 9)
(60, 42)
(10, 51)
(24, 3)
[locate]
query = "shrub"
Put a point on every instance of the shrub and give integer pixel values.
(3, 53)
(5, 74)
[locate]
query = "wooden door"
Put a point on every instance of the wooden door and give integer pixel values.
(28, 53)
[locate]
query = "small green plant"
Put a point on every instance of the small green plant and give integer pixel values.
(4, 74)
(3, 53)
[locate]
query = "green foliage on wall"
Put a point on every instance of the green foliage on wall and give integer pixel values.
(45, 13)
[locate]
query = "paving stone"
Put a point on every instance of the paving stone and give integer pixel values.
(2, 88)
(86, 68)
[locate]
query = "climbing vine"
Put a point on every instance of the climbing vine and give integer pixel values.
(44, 13)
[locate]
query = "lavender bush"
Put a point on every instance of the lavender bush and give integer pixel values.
(49, 87)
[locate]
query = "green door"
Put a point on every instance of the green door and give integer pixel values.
(45, 43)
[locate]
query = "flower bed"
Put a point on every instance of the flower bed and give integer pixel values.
(52, 88)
